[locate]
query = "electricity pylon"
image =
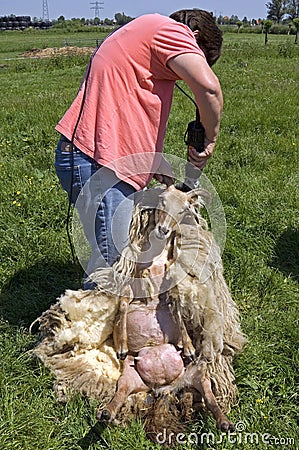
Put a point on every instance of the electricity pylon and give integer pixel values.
(97, 8)
(45, 11)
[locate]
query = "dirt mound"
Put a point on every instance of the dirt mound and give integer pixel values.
(55, 51)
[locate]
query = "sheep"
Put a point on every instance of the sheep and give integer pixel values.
(77, 332)
(192, 271)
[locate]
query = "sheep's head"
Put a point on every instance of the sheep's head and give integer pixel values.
(172, 207)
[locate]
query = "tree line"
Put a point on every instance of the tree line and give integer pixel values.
(278, 11)
(119, 19)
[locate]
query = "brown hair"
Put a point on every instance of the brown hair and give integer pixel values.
(209, 38)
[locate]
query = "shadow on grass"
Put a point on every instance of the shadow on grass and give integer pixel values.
(93, 436)
(31, 291)
(286, 257)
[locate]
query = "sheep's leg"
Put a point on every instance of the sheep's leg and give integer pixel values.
(129, 383)
(188, 348)
(203, 385)
(120, 332)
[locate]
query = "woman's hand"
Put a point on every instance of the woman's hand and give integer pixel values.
(164, 179)
(164, 174)
(200, 159)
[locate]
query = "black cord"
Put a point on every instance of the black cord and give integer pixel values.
(193, 101)
(69, 209)
(185, 93)
(73, 164)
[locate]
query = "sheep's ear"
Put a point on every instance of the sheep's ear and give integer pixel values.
(199, 192)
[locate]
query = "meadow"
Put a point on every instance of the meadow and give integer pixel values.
(255, 172)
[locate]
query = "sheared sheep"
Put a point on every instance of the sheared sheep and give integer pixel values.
(188, 284)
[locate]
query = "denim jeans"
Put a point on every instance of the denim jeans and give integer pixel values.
(104, 204)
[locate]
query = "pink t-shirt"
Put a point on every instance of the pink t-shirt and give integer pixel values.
(128, 97)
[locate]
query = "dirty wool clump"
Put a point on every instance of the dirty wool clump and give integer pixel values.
(55, 51)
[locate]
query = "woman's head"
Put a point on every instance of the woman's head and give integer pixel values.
(207, 34)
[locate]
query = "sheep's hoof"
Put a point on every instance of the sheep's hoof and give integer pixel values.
(121, 355)
(188, 358)
(104, 416)
(226, 426)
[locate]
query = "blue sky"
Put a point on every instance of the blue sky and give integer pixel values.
(82, 8)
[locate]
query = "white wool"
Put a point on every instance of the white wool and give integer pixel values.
(103, 361)
(88, 304)
(90, 315)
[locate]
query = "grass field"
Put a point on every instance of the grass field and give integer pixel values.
(255, 172)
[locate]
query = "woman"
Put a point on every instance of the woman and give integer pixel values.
(112, 135)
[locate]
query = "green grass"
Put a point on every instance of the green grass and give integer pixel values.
(255, 172)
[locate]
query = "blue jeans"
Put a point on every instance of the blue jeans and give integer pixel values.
(104, 204)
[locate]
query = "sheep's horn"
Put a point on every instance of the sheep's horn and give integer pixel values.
(203, 193)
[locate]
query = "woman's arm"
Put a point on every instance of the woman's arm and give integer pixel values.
(204, 84)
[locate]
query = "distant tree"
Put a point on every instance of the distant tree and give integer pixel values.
(296, 23)
(108, 21)
(220, 20)
(122, 19)
(276, 10)
(267, 25)
(233, 20)
(61, 19)
(292, 9)
(245, 21)
(239, 24)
